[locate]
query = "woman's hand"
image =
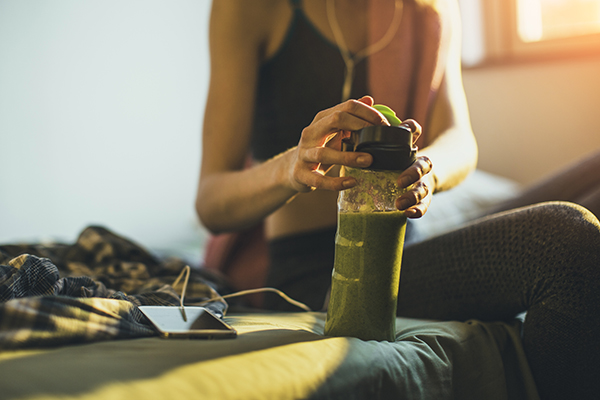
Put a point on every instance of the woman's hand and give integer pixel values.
(320, 146)
(415, 201)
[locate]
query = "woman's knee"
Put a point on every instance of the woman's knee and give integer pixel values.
(557, 234)
(572, 235)
(565, 218)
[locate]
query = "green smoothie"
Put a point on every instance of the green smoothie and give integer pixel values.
(366, 275)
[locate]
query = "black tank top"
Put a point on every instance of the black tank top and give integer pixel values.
(304, 77)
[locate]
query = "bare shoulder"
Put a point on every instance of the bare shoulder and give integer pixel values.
(246, 12)
(434, 4)
(246, 22)
(438, 12)
(440, 7)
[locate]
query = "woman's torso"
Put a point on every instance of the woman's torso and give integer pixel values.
(302, 75)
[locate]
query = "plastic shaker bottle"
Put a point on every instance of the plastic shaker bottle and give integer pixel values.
(370, 237)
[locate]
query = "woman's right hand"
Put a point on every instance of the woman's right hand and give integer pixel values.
(320, 146)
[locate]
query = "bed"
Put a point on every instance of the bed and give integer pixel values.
(70, 328)
(282, 356)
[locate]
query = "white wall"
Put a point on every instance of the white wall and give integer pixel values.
(101, 104)
(533, 119)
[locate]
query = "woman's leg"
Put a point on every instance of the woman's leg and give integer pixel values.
(579, 183)
(543, 259)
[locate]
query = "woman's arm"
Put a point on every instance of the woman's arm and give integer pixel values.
(452, 148)
(230, 197)
(224, 190)
(452, 144)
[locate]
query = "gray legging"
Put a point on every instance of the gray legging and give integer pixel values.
(543, 259)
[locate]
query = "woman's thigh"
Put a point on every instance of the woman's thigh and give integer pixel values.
(578, 183)
(501, 265)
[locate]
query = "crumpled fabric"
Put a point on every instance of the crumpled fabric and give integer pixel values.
(88, 291)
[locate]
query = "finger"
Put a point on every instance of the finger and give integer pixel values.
(417, 211)
(351, 115)
(328, 156)
(368, 100)
(361, 108)
(413, 197)
(316, 180)
(334, 141)
(414, 127)
(415, 172)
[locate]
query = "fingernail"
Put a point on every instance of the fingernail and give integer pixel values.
(410, 213)
(348, 183)
(363, 160)
(403, 204)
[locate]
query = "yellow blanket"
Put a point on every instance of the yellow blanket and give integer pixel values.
(282, 356)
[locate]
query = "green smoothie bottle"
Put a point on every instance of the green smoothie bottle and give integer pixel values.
(370, 238)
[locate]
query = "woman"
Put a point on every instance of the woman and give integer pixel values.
(276, 90)
(279, 69)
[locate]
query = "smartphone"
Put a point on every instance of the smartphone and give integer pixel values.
(187, 322)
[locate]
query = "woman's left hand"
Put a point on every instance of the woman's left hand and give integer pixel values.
(415, 201)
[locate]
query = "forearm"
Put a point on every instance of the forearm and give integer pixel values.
(234, 200)
(452, 147)
(454, 157)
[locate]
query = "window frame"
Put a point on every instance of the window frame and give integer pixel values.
(503, 44)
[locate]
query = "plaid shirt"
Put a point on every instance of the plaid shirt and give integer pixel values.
(88, 291)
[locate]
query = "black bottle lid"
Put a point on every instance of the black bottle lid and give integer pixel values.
(391, 146)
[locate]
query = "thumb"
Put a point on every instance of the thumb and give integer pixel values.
(368, 100)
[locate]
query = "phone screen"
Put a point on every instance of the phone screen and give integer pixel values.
(190, 322)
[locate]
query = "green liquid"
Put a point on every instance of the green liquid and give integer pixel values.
(366, 275)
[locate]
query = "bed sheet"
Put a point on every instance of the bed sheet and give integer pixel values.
(283, 356)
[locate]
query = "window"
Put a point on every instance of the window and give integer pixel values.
(539, 20)
(529, 29)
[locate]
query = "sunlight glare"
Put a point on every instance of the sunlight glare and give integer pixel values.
(530, 20)
(551, 19)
